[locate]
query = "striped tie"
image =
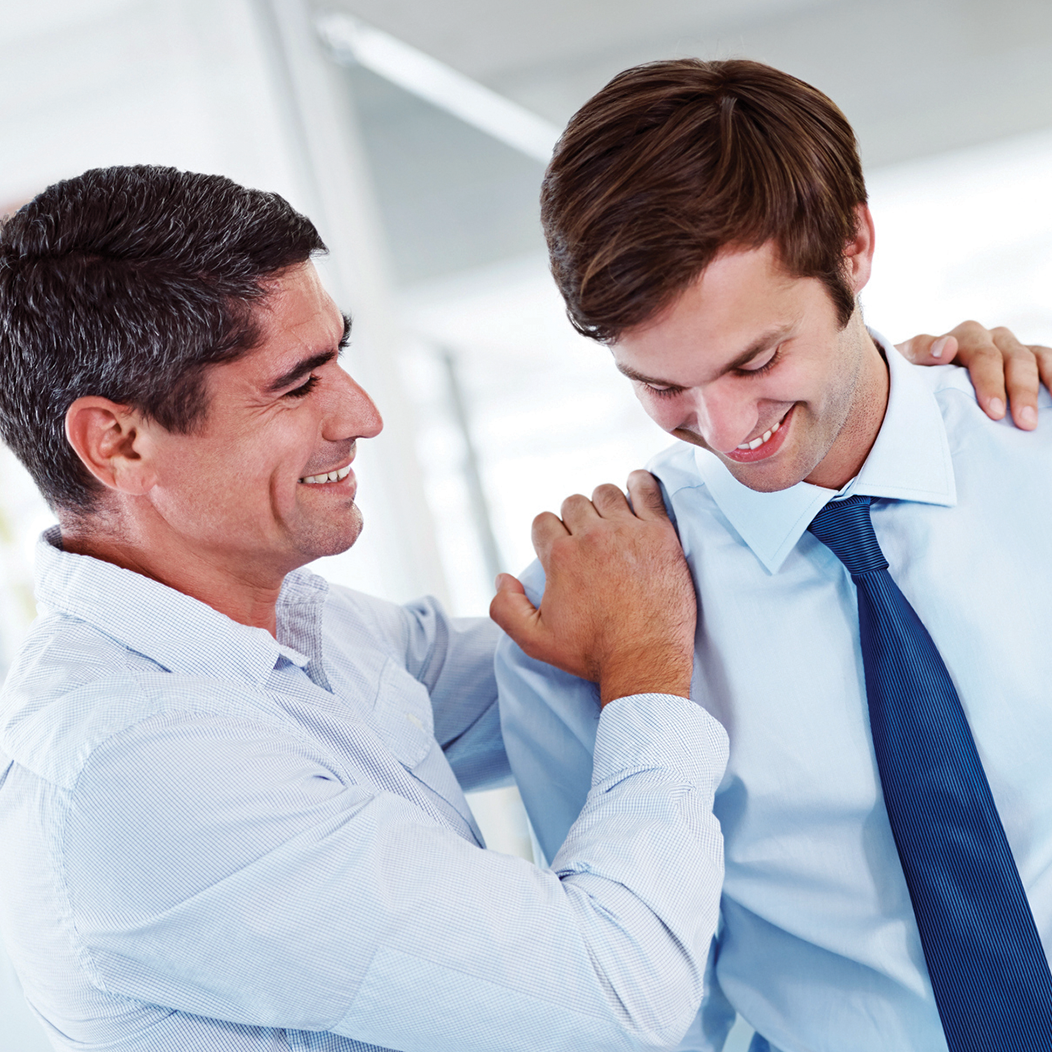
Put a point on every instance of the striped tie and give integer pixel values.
(989, 973)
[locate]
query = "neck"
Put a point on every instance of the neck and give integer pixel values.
(248, 599)
(864, 416)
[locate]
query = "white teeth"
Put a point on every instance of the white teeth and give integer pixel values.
(331, 476)
(757, 442)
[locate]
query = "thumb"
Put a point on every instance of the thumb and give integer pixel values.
(513, 611)
(929, 350)
(645, 492)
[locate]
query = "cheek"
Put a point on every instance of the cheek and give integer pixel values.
(276, 452)
(667, 413)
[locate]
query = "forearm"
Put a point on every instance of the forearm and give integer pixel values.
(610, 954)
(319, 903)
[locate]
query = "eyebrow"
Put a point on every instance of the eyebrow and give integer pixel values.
(307, 365)
(758, 346)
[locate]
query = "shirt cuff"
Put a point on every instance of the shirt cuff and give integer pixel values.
(659, 731)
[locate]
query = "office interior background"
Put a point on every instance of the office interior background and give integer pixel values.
(414, 133)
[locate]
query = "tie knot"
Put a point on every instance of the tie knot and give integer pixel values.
(843, 526)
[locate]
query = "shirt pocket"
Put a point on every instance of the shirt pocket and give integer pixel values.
(402, 717)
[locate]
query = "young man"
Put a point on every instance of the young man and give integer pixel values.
(885, 805)
(231, 797)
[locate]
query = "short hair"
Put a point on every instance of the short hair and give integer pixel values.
(674, 161)
(129, 283)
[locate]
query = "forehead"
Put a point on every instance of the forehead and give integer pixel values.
(742, 298)
(296, 313)
(297, 320)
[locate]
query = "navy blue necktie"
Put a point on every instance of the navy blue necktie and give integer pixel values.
(990, 975)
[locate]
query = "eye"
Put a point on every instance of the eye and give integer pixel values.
(661, 392)
(765, 368)
(304, 388)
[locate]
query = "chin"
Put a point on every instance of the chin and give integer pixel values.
(762, 484)
(319, 543)
(772, 479)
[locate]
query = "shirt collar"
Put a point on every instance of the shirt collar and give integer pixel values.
(177, 631)
(910, 460)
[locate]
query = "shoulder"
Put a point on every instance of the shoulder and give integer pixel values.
(371, 621)
(73, 689)
(417, 635)
(965, 419)
(364, 624)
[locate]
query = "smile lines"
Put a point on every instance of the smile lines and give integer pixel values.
(331, 476)
(757, 442)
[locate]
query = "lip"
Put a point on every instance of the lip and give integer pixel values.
(347, 479)
(768, 449)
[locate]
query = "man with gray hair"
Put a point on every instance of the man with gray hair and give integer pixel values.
(231, 796)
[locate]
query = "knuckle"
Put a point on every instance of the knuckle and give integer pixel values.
(986, 354)
(1018, 353)
(543, 522)
(500, 614)
(606, 491)
(1022, 365)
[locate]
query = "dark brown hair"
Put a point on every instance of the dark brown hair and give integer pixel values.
(672, 162)
(129, 283)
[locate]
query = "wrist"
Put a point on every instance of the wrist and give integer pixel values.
(655, 671)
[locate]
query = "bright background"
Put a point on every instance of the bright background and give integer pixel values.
(495, 409)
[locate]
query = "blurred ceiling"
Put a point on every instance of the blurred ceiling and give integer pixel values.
(915, 77)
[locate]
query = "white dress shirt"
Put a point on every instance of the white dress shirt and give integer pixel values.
(218, 840)
(818, 947)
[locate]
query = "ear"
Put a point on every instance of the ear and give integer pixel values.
(113, 443)
(858, 254)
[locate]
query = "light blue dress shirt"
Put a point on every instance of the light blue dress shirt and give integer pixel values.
(215, 840)
(818, 948)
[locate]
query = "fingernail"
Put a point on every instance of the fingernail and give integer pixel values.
(997, 407)
(1028, 415)
(939, 346)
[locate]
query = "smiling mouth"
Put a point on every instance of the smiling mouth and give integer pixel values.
(764, 446)
(762, 440)
(331, 476)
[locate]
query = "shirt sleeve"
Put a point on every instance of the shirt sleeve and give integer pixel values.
(550, 720)
(223, 866)
(453, 658)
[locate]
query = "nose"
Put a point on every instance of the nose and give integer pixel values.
(723, 414)
(351, 412)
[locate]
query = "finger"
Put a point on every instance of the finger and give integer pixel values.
(646, 496)
(1044, 363)
(1022, 379)
(986, 369)
(547, 529)
(577, 511)
(609, 501)
(513, 611)
(923, 349)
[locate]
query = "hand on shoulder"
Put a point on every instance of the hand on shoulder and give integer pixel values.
(1004, 372)
(618, 606)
